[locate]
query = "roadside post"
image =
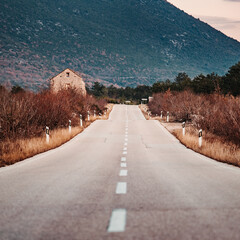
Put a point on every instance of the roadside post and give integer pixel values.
(105, 112)
(167, 116)
(47, 135)
(80, 120)
(69, 126)
(161, 115)
(200, 138)
(94, 113)
(88, 116)
(183, 128)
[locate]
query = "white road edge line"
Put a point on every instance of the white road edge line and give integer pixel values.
(117, 221)
(121, 188)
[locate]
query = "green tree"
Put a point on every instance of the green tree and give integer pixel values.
(17, 89)
(183, 81)
(99, 90)
(203, 84)
(231, 81)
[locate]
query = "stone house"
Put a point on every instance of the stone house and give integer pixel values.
(68, 79)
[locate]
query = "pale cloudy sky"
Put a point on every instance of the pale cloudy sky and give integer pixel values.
(223, 15)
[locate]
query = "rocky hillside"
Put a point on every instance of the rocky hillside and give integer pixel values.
(121, 42)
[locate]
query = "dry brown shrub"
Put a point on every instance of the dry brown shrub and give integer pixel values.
(25, 115)
(214, 113)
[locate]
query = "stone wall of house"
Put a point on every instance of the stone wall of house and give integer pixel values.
(68, 79)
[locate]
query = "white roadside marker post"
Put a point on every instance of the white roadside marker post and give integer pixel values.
(200, 138)
(183, 128)
(167, 116)
(69, 126)
(88, 116)
(94, 113)
(80, 120)
(161, 115)
(105, 112)
(47, 135)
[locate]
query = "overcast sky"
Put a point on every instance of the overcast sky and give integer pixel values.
(223, 15)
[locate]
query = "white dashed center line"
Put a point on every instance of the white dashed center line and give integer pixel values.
(118, 220)
(123, 159)
(123, 164)
(121, 188)
(125, 144)
(125, 149)
(125, 152)
(123, 173)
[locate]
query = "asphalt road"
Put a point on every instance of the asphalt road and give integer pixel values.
(124, 178)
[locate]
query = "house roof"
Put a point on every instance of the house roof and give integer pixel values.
(68, 70)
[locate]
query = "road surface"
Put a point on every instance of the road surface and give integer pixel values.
(124, 178)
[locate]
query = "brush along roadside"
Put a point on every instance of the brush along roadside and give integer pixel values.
(13, 151)
(213, 146)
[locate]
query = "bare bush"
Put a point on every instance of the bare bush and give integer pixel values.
(215, 113)
(26, 114)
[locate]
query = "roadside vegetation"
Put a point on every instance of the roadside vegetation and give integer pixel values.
(24, 116)
(228, 84)
(210, 102)
(216, 114)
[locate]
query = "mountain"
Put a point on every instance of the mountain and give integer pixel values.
(121, 42)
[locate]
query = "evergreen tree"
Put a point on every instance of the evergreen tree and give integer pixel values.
(231, 81)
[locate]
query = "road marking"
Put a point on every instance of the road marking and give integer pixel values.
(123, 173)
(123, 164)
(125, 144)
(117, 221)
(125, 149)
(123, 159)
(126, 139)
(121, 188)
(125, 152)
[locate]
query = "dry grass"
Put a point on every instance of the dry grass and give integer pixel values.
(13, 151)
(149, 116)
(144, 109)
(212, 146)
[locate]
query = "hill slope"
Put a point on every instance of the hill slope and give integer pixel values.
(124, 42)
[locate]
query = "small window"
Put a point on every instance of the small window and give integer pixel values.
(67, 74)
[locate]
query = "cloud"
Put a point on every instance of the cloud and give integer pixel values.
(218, 20)
(226, 25)
(232, 0)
